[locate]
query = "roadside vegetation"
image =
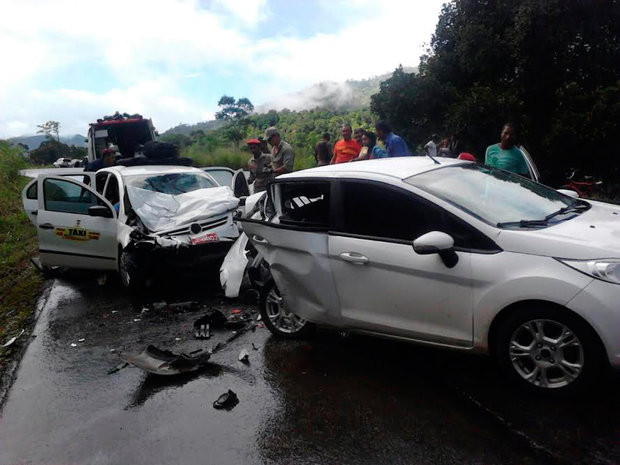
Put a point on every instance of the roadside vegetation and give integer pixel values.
(20, 281)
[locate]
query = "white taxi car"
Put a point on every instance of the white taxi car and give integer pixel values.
(132, 219)
(451, 254)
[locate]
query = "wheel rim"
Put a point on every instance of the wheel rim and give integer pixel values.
(279, 316)
(546, 353)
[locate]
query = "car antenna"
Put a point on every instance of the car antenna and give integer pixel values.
(429, 156)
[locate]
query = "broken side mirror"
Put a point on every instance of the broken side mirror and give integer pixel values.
(100, 210)
(437, 242)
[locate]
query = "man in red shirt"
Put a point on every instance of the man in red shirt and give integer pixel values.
(345, 149)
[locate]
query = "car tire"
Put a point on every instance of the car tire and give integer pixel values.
(277, 319)
(549, 350)
(131, 277)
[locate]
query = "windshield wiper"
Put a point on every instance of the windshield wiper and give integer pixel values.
(524, 224)
(576, 208)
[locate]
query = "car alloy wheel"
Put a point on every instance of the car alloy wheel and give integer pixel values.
(549, 350)
(278, 319)
(546, 353)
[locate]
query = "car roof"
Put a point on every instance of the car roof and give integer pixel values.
(152, 169)
(401, 167)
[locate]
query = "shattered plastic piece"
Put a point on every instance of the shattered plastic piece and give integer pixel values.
(73, 344)
(137, 319)
(13, 339)
(244, 357)
(237, 319)
(226, 401)
(114, 311)
(165, 362)
(177, 338)
(118, 367)
(81, 340)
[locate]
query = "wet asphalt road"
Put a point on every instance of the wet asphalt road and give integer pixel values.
(324, 400)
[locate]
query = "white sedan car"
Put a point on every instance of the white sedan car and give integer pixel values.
(133, 219)
(450, 254)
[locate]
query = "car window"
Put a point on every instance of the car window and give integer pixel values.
(32, 193)
(382, 211)
(492, 195)
(223, 177)
(100, 179)
(68, 197)
(171, 183)
(112, 190)
(305, 204)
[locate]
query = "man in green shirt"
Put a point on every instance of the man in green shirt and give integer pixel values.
(505, 155)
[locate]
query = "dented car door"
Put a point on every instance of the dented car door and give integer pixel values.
(76, 227)
(296, 247)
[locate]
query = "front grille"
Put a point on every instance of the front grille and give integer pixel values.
(204, 225)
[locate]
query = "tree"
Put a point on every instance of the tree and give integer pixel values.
(551, 67)
(49, 128)
(234, 113)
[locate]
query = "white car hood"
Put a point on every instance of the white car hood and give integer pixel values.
(161, 212)
(593, 234)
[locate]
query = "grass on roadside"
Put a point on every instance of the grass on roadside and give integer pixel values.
(20, 282)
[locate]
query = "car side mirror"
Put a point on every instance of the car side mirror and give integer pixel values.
(437, 242)
(569, 192)
(242, 201)
(100, 210)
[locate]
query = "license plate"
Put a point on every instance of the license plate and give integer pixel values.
(209, 237)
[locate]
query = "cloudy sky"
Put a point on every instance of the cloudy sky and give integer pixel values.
(171, 60)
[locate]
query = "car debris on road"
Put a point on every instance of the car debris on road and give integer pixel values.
(165, 362)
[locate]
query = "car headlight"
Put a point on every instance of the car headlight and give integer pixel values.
(605, 269)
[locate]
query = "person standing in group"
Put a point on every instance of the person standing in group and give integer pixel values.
(259, 166)
(346, 149)
(443, 149)
(370, 143)
(395, 146)
(431, 146)
(357, 135)
(506, 155)
(282, 155)
(323, 150)
(108, 158)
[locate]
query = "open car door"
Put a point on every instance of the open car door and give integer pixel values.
(531, 166)
(30, 193)
(76, 226)
(240, 184)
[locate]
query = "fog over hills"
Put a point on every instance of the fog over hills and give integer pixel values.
(331, 95)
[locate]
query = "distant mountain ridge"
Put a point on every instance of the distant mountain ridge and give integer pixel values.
(33, 142)
(331, 95)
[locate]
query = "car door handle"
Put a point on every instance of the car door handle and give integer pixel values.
(46, 226)
(353, 257)
(260, 240)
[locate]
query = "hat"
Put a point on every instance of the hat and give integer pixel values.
(252, 141)
(272, 131)
(467, 156)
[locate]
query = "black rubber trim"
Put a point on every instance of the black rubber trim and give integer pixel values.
(76, 254)
(286, 226)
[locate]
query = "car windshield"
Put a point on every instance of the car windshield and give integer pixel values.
(171, 183)
(498, 197)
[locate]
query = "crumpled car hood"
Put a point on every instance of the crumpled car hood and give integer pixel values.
(161, 212)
